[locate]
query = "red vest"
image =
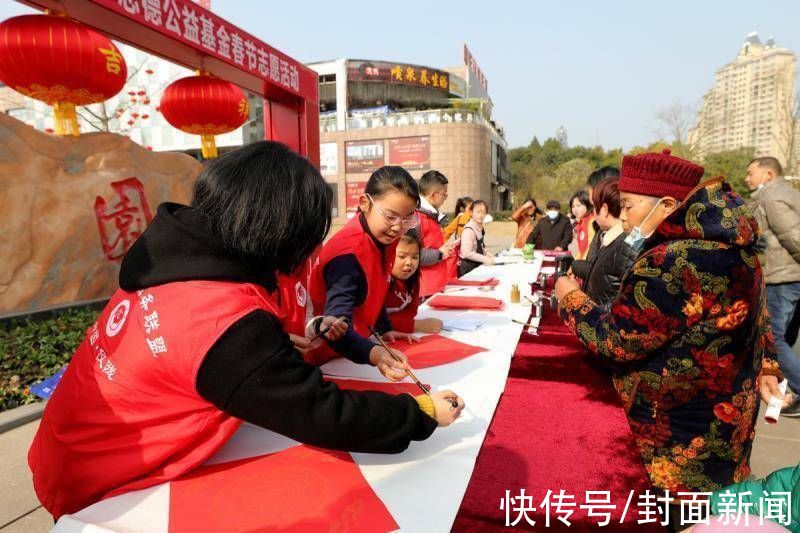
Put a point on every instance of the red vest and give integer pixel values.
(292, 298)
(584, 235)
(402, 303)
(126, 414)
(377, 268)
(432, 278)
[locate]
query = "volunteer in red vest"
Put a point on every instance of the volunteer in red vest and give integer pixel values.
(402, 300)
(190, 345)
(352, 275)
(437, 260)
(292, 298)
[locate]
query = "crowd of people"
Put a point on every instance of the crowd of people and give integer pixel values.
(667, 289)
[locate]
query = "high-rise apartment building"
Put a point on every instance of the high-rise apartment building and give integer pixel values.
(752, 104)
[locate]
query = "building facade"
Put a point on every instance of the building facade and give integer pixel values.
(375, 113)
(752, 104)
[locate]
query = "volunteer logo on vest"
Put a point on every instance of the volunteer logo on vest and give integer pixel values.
(405, 299)
(117, 318)
(301, 293)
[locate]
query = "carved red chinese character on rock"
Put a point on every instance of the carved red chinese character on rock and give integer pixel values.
(123, 218)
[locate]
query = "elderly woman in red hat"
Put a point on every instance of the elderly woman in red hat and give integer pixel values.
(687, 336)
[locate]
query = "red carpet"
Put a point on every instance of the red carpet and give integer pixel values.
(559, 425)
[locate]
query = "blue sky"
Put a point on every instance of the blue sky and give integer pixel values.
(599, 68)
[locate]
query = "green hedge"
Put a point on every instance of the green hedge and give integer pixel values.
(502, 216)
(35, 348)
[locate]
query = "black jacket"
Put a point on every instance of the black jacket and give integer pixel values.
(253, 371)
(610, 265)
(551, 234)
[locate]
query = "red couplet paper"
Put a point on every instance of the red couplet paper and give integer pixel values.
(554, 254)
(435, 350)
(465, 302)
(491, 282)
(388, 387)
(299, 489)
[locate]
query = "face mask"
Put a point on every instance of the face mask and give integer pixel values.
(636, 238)
(552, 215)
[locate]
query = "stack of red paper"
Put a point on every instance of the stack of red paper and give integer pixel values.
(491, 282)
(465, 302)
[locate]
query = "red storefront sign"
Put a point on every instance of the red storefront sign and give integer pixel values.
(353, 191)
(363, 157)
(411, 153)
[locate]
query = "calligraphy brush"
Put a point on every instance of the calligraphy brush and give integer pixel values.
(326, 330)
(416, 380)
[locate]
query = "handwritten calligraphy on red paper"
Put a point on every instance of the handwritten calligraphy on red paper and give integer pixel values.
(123, 218)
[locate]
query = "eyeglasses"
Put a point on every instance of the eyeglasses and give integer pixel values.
(409, 222)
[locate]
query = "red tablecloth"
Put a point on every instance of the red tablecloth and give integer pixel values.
(559, 425)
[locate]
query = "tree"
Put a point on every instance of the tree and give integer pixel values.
(655, 147)
(675, 120)
(732, 165)
(129, 107)
(567, 179)
(548, 170)
(786, 127)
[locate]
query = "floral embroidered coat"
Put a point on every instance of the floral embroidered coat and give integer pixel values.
(687, 337)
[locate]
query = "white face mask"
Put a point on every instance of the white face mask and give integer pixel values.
(552, 215)
(636, 237)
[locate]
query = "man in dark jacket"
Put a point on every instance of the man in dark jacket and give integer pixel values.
(554, 232)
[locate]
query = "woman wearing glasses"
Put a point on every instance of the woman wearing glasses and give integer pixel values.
(354, 270)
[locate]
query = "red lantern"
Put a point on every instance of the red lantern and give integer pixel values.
(61, 62)
(205, 106)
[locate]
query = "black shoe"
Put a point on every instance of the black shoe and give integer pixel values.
(792, 410)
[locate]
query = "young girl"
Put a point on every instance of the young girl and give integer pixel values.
(191, 345)
(351, 277)
(461, 216)
(472, 247)
(402, 300)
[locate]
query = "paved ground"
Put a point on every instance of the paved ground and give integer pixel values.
(776, 446)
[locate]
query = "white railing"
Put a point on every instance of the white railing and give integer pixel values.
(429, 116)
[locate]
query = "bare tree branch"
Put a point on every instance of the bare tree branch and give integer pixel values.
(675, 121)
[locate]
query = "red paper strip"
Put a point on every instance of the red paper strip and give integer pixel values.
(435, 350)
(553, 253)
(491, 282)
(388, 387)
(465, 302)
(299, 489)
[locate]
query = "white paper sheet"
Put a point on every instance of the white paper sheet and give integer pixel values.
(423, 486)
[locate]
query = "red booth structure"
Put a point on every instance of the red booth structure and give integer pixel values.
(187, 34)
